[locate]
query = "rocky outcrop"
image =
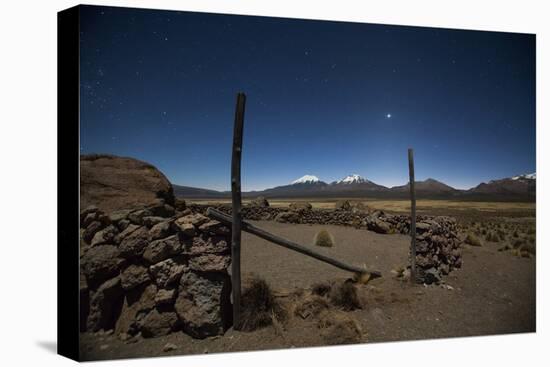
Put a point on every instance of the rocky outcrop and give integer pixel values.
(154, 271)
(112, 183)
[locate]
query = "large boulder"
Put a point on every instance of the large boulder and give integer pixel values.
(203, 303)
(111, 183)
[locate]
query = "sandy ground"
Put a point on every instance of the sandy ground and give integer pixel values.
(493, 293)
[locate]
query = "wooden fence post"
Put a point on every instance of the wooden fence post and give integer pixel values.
(236, 208)
(413, 216)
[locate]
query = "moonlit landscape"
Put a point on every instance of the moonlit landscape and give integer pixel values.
(389, 183)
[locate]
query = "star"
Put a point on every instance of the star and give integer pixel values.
(388, 116)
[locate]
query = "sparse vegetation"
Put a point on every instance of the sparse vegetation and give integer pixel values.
(259, 307)
(311, 305)
(345, 296)
(340, 328)
(492, 237)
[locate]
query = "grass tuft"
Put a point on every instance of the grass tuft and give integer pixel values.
(324, 239)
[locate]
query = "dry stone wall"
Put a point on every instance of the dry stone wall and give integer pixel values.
(438, 244)
(154, 270)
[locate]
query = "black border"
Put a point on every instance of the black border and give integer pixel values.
(68, 153)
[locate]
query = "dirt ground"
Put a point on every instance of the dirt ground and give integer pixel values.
(493, 293)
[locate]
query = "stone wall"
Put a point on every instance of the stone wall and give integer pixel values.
(158, 269)
(438, 245)
(154, 270)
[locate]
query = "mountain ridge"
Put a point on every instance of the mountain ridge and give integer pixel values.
(520, 187)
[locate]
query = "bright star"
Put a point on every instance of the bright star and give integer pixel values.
(388, 116)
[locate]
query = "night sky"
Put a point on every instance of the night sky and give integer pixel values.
(323, 98)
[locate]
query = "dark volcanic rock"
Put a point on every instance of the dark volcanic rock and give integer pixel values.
(105, 236)
(91, 230)
(378, 226)
(169, 271)
(112, 183)
(100, 263)
(209, 262)
(205, 244)
(157, 323)
(137, 303)
(133, 276)
(134, 243)
(105, 305)
(162, 249)
(160, 230)
(203, 303)
(288, 217)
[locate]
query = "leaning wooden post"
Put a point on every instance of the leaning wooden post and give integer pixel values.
(236, 207)
(413, 216)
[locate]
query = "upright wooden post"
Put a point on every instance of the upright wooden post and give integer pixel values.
(413, 216)
(236, 206)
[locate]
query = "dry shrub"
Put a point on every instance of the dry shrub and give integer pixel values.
(324, 239)
(345, 296)
(517, 244)
(321, 289)
(492, 237)
(259, 307)
(311, 305)
(472, 240)
(339, 328)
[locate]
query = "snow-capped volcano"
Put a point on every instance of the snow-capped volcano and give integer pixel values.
(306, 179)
(355, 178)
(527, 176)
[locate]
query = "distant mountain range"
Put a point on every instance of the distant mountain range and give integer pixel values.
(517, 188)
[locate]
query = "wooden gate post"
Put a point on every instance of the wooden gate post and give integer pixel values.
(236, 208)
(413, 216)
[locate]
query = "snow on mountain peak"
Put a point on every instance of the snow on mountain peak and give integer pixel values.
(355, 178)
(306, 179)
(528, 176)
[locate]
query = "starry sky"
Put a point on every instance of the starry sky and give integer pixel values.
(323, 98)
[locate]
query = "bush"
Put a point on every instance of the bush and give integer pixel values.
(259, 307)
(324, 239)
(472, 240)
(345, 296)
